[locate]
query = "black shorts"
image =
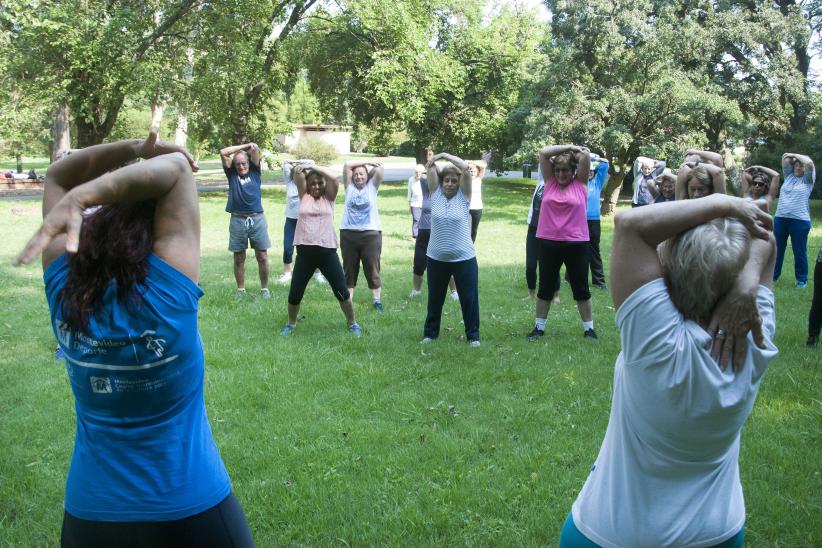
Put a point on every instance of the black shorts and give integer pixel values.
(309, 259)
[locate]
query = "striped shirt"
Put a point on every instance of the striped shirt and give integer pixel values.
(450, 228)
(795, 193)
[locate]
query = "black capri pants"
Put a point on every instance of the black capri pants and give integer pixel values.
(219, 526)
(575, 257)
(310, 258)
(420, 250)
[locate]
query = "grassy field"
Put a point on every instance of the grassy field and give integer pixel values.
(332, 440)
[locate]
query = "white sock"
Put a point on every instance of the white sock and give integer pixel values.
(588, 325)
(540, 323)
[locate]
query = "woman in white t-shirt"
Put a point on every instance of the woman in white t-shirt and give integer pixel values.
(667, 473)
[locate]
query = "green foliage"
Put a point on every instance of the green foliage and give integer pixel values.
(442, 72)
(315, 149)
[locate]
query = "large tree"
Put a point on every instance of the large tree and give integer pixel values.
(446, 73)
(93, 53)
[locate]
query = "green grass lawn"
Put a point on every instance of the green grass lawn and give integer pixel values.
(332, 440)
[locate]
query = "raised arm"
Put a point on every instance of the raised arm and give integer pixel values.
(227, 152)
(168, 179)
(332, 184)
(638, 232)
(709, 157)
(299, 173)
(462, 166)
(681, 188)
(583, 164)
(788, 160)
(717, 174)
(652, 188)
(376, 174)
(545, 155)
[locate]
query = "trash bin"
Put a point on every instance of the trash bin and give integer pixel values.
(526, 170)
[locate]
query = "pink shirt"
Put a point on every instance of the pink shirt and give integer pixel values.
(315, 225)
(563, 214)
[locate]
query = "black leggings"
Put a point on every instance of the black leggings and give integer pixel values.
(310, 258)
(221, 526)
(552, 255)
(815, 315)
(420, 249)
(476, 215)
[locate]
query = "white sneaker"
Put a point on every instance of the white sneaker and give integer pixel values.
(474, 343)
(320, 279)
(455, 296)
(265, 293)
(285, 278)
(426, 340)
(414, 293)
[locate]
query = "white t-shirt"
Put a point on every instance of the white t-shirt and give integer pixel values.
(476, 193)
(667, 473)
(360, 211)
(414, 192)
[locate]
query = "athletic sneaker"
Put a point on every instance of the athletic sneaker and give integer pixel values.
(355, 329)
(285, 278)
(378, 306)
(602, 286)
(265, 293)
(801, 285)
(590, 334)
(58, 353)
(414, 293)
(813, 341)
(289, 327)
(455, 296)
(426, 340)
(240, 294)
(474, 344)
(535, 334)
(320, 279)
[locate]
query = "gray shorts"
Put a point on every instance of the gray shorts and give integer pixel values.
(242, 230)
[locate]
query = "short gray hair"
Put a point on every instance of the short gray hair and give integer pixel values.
(701, 265)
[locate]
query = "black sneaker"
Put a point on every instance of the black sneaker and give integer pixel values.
(378, 306)
(535, 334)
(813, 341)
(590, 334)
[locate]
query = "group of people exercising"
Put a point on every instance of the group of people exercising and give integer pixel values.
(690, 282)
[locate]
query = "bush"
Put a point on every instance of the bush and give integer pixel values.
(315, 149)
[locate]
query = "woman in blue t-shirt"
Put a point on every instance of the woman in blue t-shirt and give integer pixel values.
(121, 256)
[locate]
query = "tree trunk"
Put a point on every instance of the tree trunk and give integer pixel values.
(611, 193)
(420, 152)
(60, 132)
(19, 157)
(157, 109)
(181, 133)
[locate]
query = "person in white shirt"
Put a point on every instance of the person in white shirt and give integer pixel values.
(415, 183)
(667, 473)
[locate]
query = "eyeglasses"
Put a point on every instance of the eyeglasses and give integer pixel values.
(759, 183)
(562, 169)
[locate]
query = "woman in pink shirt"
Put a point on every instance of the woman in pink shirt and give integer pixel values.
(562, 232)
(316, 241)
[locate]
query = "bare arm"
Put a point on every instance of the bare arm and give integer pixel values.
(376, 174)
(465, 171)
(681, 190)
(332, 184)
(652, 188)
(737, 313)
(583, 164)
(433, 175)
(717, 174)
(226, 152)
(805, 160)
(549, 152)
(711, 157)
(168, 179)
(638, 232)
(299, 180)
(255, 154)
(745, 180)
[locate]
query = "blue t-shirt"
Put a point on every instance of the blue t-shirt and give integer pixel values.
(595, 185)
(143, 448)
(244, 193)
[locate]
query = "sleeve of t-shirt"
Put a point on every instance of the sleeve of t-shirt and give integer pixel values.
(810, 176)
(252, 166)
(646, 320)
(229, 171)
(601, 174)
(287, 169)
(767, 311)
(660, 167)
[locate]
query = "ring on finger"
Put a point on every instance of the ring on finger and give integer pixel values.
(720, 333)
